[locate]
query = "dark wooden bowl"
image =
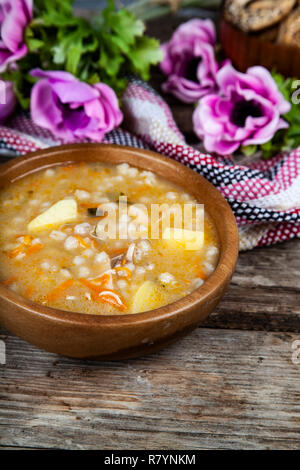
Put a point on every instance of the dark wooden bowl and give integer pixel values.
(121, 336)
(246, 50)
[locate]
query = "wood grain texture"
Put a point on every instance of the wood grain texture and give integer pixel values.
(264, 293)
(215, 389)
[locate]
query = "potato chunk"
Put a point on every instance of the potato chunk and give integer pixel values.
(184, 239)
(61, 212)
(148, 297)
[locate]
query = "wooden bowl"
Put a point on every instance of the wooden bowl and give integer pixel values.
(246, 50)
(121, 336)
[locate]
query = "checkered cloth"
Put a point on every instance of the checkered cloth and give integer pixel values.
(264, 196)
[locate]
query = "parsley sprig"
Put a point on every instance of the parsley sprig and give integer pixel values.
(106, 49)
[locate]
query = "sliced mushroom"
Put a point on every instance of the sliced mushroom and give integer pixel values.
(116, 260)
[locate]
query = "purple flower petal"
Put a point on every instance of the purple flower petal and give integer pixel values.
(222, 147)
(44, 107)
(76, 91)
(113, 114)
(189, 61)
(185, 90)
(15, 15)
(72, 109)
(200, 29)
(55, 75)
(272, 92)
(166, 64)
(7, 57)
(247, 110)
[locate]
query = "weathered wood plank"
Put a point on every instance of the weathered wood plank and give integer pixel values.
(264, 293)
(213, 389)
(21, 448)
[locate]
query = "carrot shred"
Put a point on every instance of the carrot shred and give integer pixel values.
(90, 285)
(29, 291)
(26, 247)
(201, 274)
(110, 299)
(16, 251)
(68, 168)
(93, 242)
(33, 249)
(57, 292)
(102, 279)
(27, 240)
(90, 205)
(9, 281)
(96, 284)
(117, 251)
(82, 242)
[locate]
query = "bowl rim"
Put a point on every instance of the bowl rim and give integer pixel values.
(207, 292)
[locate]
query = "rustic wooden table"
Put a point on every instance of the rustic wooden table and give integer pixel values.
(230, 384)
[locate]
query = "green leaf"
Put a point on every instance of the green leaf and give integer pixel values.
(120, 43)
(111, 64)
(70, 48)
(124, 24)
(267, 146)
(23, 100)
(249, 150)
(64, 6)
(94, 79)
(124, 49)
(34, 44)
(145, 53)
(73, 57)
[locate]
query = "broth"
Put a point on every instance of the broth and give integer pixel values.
(54, 249)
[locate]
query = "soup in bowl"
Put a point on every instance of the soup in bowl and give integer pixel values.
(107, 251)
